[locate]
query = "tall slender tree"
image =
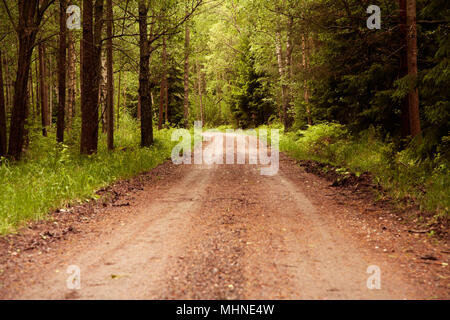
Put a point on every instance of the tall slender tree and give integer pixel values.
(7, 83)
(305, 64)
(119, 94)
(31, 87)
(72, 80)
(413, 98)
(30, 17)
(405, 126)
(3, 141)
(62, 62)
(144, 77)
(91, 60)
(282, 73)
(103, 92)
(288, 74)
(187, 37)
(45, 121)
(200, 91)
(163, 97)
(110, 71)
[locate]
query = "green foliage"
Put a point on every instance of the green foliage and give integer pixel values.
(54, 175)
(434, 77)
(356, 75)
(175, 96)
(404, 175)
(318, 138)
(353, 78)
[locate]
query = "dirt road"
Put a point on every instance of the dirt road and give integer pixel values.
(227, 232)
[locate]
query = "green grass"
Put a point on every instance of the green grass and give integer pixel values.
(52, 176)
(403, 175)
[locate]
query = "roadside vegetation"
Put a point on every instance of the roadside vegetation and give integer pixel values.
(406, 176)
(52, 175)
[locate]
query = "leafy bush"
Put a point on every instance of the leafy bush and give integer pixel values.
(404, 174)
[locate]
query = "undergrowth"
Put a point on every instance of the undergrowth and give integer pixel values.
(53, 175)
(403, 175)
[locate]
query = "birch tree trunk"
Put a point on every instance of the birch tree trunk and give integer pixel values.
(102, 92)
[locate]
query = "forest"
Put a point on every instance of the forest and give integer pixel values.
(91, 90)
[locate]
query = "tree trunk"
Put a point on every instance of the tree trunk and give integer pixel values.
(110, 71)
(31, 88)
(305, 58)
(125, 98)
(72, 80)
(38, 89)
(161, 105)
(62, 72)
(91, 57)
(118, 99)
(43, 89)
(50, 88)
(80, 83)
(413, 98)
(30, 17)
(102, 92)
(163, 95)
(162, 89)
(6, 83)
(3, 142)
(200, 92)
(152, 98)
(288, 76)
(166, 100)
(282, 71)
(26, 135)
(405, 128)
(197, 108)
(144, 78)
(186, 74)
(139, 110)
